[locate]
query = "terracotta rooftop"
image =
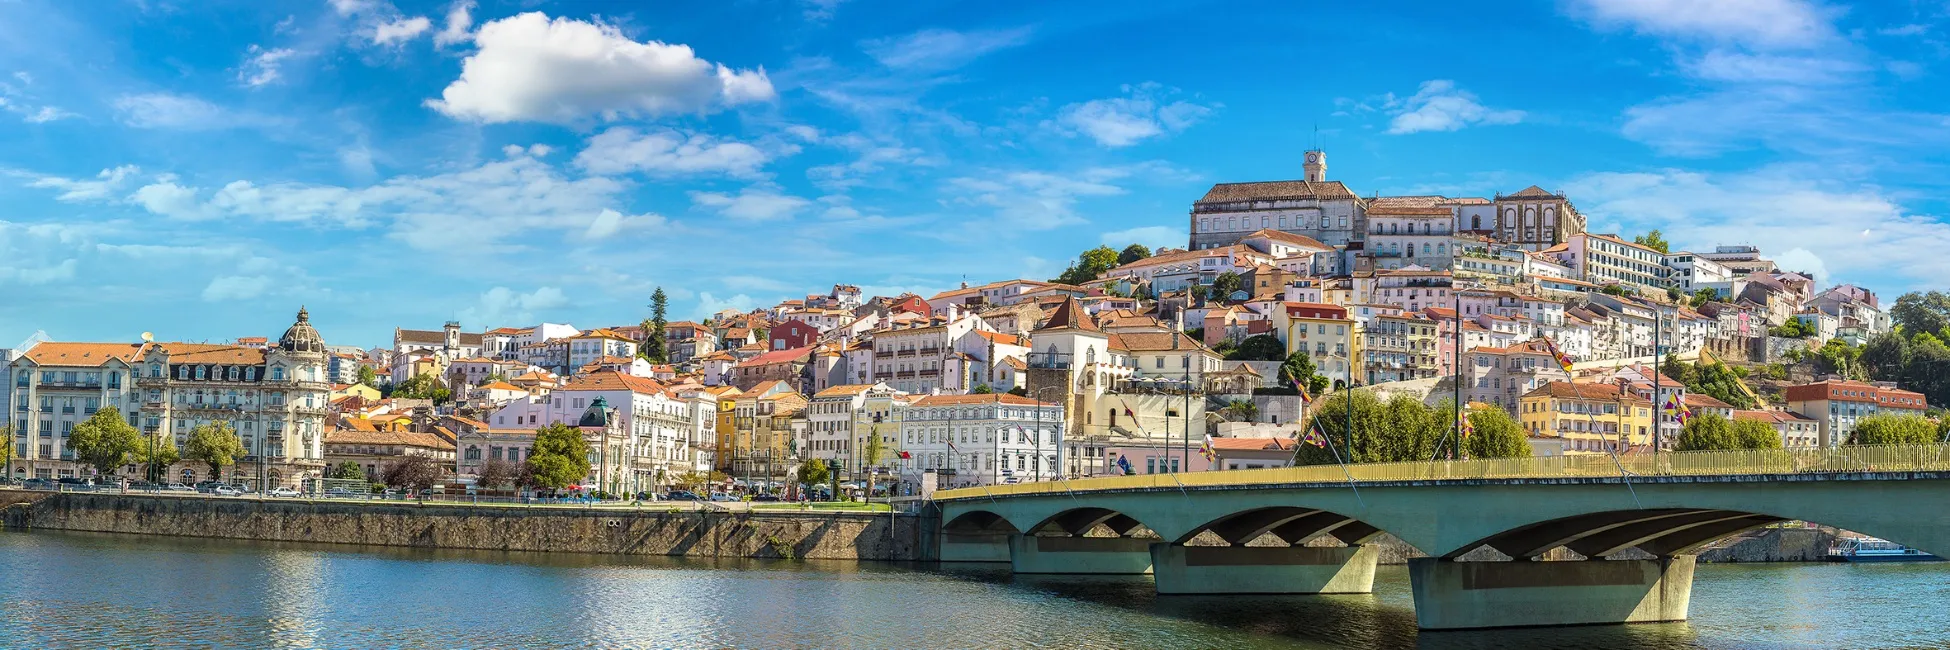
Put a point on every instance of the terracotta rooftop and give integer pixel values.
(83, 354)
(1270, 190)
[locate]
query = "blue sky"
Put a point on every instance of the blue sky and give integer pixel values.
(199, 169)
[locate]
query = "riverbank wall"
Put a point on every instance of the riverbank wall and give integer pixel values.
(647, 531)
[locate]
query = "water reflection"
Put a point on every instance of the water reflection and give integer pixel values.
(60, 589)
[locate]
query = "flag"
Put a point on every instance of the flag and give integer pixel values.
(905, 455)
(1315, 437)
(1128, 413)
(1672, 406)
(1563, 360)
(1211, 455)
(1463, 425)
(1124, 463)
(1305, 400)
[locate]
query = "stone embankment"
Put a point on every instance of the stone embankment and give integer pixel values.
(648, 531)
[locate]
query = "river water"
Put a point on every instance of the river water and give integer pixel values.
(84, 590)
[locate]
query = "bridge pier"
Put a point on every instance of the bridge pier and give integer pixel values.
(1080, 555)
(975, 546)
(1461, 595)
(1183, 569)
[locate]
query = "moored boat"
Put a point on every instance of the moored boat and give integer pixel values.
(1870, 549)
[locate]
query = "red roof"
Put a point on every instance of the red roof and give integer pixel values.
(1855, 391)
(1315, 310)
(1252, 444)
(779, 356)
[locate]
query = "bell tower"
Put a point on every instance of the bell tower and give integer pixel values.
(1316, 165)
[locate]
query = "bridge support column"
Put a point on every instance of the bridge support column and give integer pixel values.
(1080, 555)
(975, 546)
(1461, 595)
(1263, 570)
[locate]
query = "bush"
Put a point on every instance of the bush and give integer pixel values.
(1893, 430)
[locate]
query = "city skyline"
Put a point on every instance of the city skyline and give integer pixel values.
(403, 164)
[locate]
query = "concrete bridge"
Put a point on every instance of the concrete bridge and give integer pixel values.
(1629, 526)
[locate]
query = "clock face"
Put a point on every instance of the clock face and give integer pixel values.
(1312, 157)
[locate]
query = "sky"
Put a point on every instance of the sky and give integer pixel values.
(201, 169)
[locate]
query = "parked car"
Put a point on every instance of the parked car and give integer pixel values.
(766, 497)
(722, 496)
(39, 484)
(338, 493)
(282, 491)
(207, 487)
(226, 491)
(682, 495)
(178, 487)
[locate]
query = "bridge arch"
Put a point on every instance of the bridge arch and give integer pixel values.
(1662, 532)
(979, 521)
(1294, 525)
(1081, 521)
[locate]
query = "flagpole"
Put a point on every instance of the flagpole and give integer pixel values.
(1350, 476)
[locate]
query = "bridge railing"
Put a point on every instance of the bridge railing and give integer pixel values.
(1863, 458)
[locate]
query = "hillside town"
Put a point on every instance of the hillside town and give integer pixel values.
(1594, 343)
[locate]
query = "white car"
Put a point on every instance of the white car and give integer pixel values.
(282, 492)
(226, 491)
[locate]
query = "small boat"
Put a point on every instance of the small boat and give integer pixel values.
(1870, 549)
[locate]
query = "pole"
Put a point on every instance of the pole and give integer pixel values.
(1658, 321)
(1455, 357)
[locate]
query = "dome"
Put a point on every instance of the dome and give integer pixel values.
(598, 414)
(301, 337)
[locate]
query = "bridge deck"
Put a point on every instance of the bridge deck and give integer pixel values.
(1868, 461)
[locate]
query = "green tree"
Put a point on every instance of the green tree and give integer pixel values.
(214, 444)
(1615, 290)
(1298, 367)
(1495, 435)
(653, 329)
(1885, 356)
(368, 377)
(1401, 429)
(1089, 265)
(6, 450)
(347, 470)
(560, 457)
(1653, 240)
(1893, 430)
(1264, 347)
(1838, 358)
(412, 472)
(1794, 328)
(1704, 296)
(814, 472)
(1922, 312)
(104, 441)
(1226, 284)
(156, 456)
(982, 389)
(422, 387)
(1142, 292)
(1754, 434)
(871, 452)
(1674, 294)
(1707, 432)
(1133, 253)
(1240, 410)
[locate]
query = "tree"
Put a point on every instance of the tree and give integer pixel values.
(368, 377)
(653, 329)
(412, 472)
(871, 453)
(814, 472)
(1298, 368)
(1886, 356)
(104, 441)
(1794, 328)
(1653, 240)
(560, 457)
(1615, 290)
(424, 386)
(1133, 253)
(982, 389)
(1707, 432)
(1919, 312)
(1754, 434)
(1893, 430)
(1704, 296)
(156, 456)
(1089, 265)
(6, 450)
(1264, 347)
(1402, 429)
(215, 444)
(496, 474)
(1674, 294)
(1240, 410)
(1495, 435)
(1838, 358)
(1226, 284)
(347, 470)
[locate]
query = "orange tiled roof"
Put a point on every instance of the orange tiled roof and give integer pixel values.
(83, 354)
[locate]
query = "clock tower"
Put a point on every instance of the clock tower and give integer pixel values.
(1316, 165)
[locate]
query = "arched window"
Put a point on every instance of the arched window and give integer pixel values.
(1476, 222)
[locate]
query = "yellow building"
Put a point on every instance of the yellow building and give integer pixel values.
(1589, 418)
(1327, 335)
(727, 426)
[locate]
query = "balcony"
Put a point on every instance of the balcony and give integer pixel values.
(1049, 360)
(931, 373)
(904, 374)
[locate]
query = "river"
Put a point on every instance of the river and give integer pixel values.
(89, 590)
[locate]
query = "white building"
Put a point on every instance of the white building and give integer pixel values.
(1691, 272)
(1315, 207)
(970, 440)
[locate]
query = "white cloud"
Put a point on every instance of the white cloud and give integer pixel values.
(400, 30)
(261, 66)
(667, 152)
(1032, 200)
(357, 161)
(1911, 29)
(1440, 106)
(167, 111)
(502, 305)
(1801, 215)
(1740, 67)
(168, 199)
(459, 27)
(236, 287)
(1124, 121)
(1785, 118)
(751, 204)
(1154, 237)
(820, 10)
(350, 7)
(609, 223)
(941, 49)
(102, 186)
(531, 68)
(47, 114)
(1757, 24)
(708, 304)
